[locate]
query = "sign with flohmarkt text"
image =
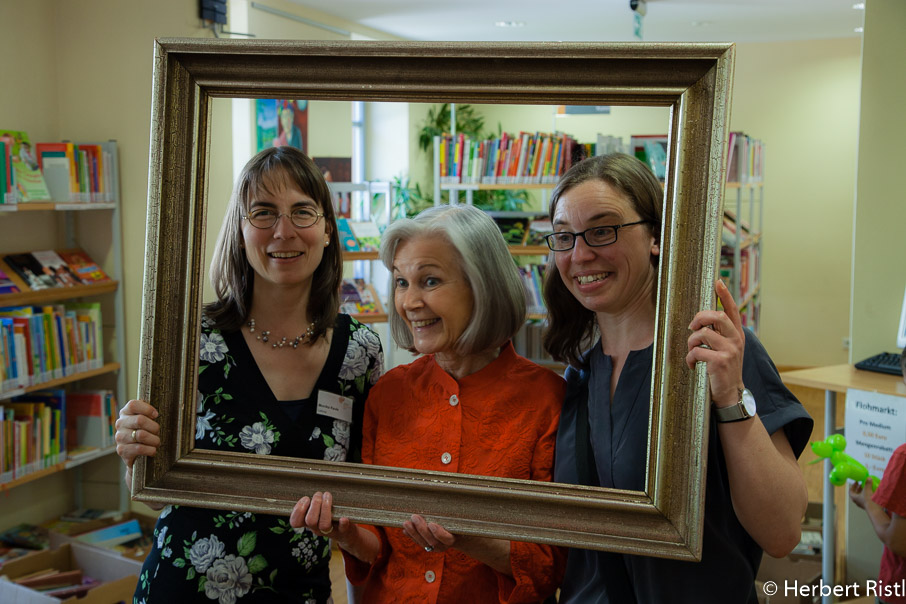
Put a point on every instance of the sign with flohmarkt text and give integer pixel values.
(875, 426)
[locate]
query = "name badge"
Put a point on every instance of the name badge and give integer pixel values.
(335, 406)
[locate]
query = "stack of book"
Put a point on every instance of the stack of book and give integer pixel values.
(42, 343)
(55, 171)
(43, 428)
(745, 159)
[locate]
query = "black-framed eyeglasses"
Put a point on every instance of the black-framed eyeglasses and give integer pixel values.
(595, 237)
(265, 218)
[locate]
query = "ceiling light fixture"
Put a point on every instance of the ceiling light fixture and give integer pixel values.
(509, 24)
(859, 6)
(859, 30)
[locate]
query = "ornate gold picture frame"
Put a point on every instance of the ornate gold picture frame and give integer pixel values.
(692, 80)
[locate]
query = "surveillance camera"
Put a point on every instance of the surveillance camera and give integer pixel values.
(638, 6)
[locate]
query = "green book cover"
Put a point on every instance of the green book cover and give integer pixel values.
(30, 185)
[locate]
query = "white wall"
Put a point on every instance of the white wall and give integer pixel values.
(802, 99)
(879, 272)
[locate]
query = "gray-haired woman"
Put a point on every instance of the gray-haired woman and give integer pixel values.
(470, 405)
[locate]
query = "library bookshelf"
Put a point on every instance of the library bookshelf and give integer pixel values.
(95, 228)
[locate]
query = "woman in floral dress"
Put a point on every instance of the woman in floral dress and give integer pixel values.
(263, 389)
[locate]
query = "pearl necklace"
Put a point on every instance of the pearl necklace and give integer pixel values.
(264, 337)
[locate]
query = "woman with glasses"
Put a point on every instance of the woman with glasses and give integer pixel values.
(281, 372)
(469, 405)
(600, 290)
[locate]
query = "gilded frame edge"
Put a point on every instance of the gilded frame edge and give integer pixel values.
(694, 80)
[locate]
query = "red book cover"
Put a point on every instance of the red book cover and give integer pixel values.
(83, 266)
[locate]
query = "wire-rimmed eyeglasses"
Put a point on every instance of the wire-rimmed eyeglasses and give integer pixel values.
(265, 218)
(598, 236)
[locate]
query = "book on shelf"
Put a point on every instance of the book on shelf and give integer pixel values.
(91, 418)
(45, 269)
(532, 276)
(528, 341)
(29, 181)
(42, 343)
(54, 266)
(58, 165)
(734, 230)
(358, 297)
(30, 270)
(112, 535)
(745, 159)
(367, 234)
(7, 286)
(526, 158)
(47, 409)
(347, 237)
(83, 266)
(25, 535)
(607, 143)
(651, 149)
(7, 183)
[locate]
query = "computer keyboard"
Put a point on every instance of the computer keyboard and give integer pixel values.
(884, 362)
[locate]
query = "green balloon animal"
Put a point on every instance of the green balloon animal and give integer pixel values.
(845, 467)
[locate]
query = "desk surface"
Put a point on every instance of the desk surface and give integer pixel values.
(838, 378)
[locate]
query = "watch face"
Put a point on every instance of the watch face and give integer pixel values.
(748, 401)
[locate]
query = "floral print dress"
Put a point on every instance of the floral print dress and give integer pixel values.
(202, 555)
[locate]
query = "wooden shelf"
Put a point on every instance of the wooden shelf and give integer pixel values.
(17, 482)
(66, 465)
(529, 250)
(54, 294)
(106, 368)
(359, 256)
(375, 317)
(49, 206)
(749, 297)
(489, 187)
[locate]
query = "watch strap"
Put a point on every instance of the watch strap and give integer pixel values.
(733, 413)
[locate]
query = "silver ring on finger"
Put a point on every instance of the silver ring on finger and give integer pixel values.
(705, 346)
(135, 440)
(429, 549)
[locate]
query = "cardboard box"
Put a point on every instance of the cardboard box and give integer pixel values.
(118, 575)
(139, 552)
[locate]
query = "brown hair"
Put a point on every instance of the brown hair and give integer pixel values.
(233, 277)
(571, 326)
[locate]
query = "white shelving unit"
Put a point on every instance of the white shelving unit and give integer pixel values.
(69, 214)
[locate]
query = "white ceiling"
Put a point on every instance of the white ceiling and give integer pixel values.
(601, 20)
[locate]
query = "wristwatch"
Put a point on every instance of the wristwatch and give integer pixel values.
(744, 409)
